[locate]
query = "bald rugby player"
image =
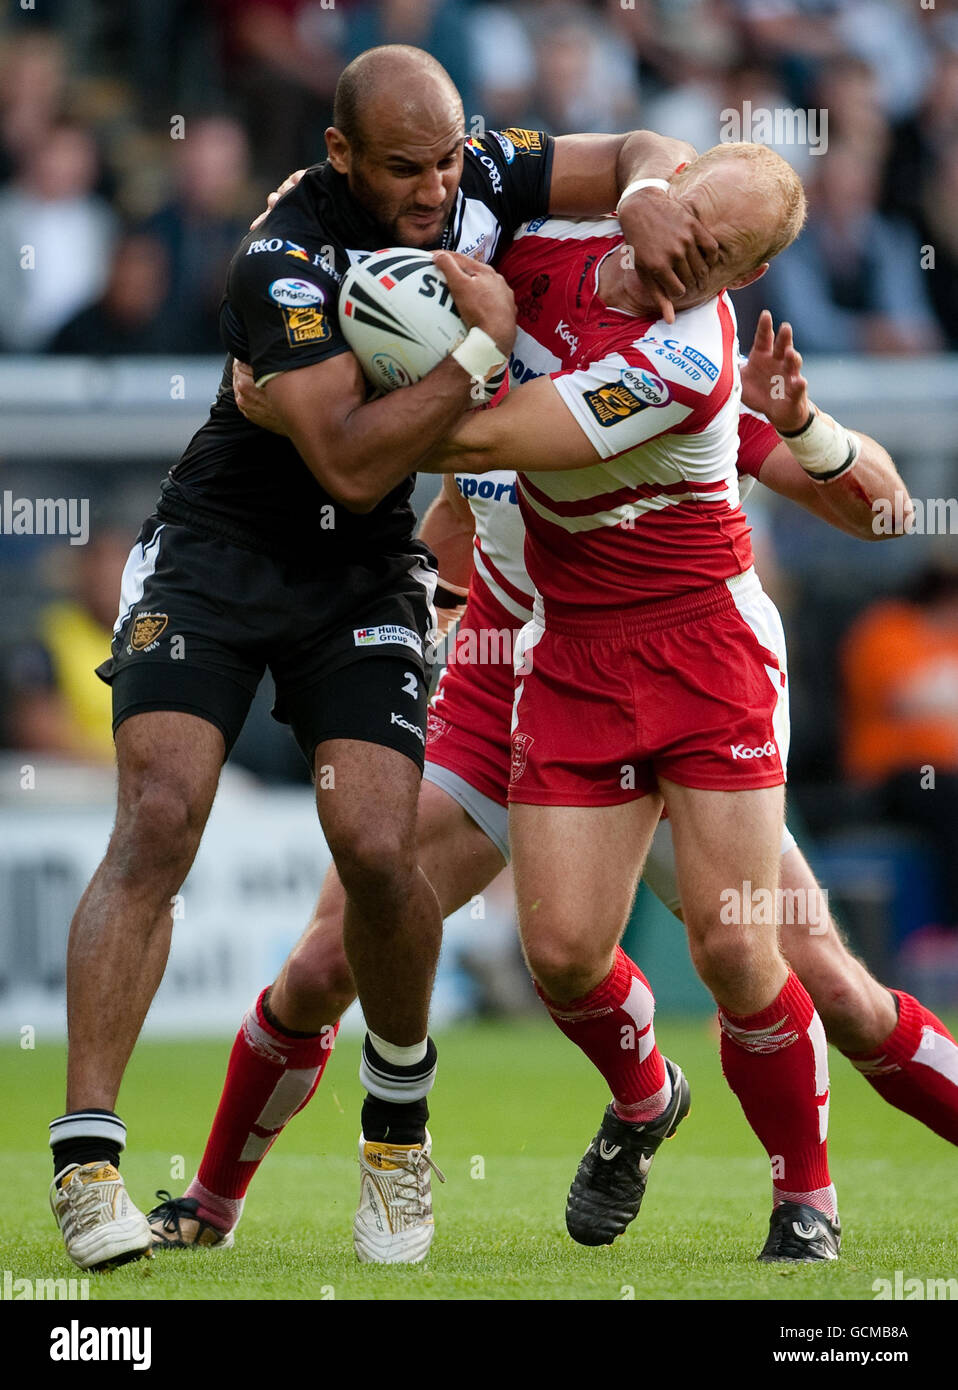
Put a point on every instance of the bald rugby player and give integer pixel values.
(296, 553)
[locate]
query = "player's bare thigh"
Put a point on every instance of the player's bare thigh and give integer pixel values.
(728, 843)
(576, 870)
(367, 800)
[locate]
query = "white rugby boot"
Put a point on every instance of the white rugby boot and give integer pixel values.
(100, 1225)
(394, 1222)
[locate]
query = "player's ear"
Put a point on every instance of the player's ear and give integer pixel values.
(337, 147)
(750, 278)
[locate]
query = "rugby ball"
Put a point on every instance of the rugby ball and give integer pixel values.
(397, 314)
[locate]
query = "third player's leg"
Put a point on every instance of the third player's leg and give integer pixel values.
(315, 984)
(858, 1013)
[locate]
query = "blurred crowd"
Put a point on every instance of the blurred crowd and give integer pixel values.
(137, 140)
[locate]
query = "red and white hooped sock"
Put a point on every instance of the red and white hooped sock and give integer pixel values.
(916, 1067)
(776, 1062)
(613, 1027)
(271, 1076)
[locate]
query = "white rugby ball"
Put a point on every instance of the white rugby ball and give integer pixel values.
(397, 314)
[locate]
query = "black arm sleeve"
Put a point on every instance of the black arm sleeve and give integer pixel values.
(522, 172)
(277, 315)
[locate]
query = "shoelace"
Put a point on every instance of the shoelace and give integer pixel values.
(85, 1201)
(169, 1208)
(410, 1163)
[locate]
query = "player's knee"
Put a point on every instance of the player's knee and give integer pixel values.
(724, 959)
(376, 863)
(317, 977)
(156, 833)
(563, 968)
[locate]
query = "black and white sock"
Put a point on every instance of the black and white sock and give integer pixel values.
(398, 1079)
(86, 1136)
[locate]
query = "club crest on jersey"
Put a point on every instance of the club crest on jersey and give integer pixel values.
(436, 727)
(306, 324)
(523, 141)
(147, 630)
(521, 743)
(529, 306)
(612, 403)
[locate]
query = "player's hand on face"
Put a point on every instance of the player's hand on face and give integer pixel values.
(252, 399)
(285, 187)
(483, 298)
(772, 380)
(672, 251)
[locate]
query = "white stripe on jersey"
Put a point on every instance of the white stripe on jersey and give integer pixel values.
(140, 564)
(501, 533)
(520, 613)
(764, 619)
(479, 228)
(705, 457)
(428, 577)
(529, 358)
(569, 229)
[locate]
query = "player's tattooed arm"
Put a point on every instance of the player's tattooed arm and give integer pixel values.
(773, 384)
(670, 249)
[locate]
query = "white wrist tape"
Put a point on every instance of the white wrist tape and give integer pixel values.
(634, 187)
(478, 355)
(823, 447)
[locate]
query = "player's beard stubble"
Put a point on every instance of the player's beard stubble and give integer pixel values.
(402, 224)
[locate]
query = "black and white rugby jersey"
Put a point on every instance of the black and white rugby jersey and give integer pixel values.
(279, 313)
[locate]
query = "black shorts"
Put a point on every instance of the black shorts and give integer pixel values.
(201, 619)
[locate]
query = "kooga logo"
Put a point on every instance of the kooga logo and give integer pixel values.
(741, 750)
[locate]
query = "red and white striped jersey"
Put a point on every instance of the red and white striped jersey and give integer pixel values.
(660, 514)
(499, 552)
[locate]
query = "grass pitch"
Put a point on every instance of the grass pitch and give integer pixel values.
(513, 1110)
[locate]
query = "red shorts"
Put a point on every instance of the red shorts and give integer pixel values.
(693, 689)
(471, 712)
